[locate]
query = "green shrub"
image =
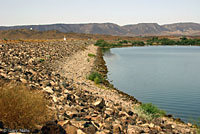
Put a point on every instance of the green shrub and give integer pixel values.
(138, 43)
(152, 41)
(41, 60)
(93, 75)
(5, 39)
(104, 44)
(123, 42)
(116, 45)
(97, 80)
(105, 50)
(96, 77)
(101, 43)
(166, 41)
(21, 108)
(152, 110)
(91, 55)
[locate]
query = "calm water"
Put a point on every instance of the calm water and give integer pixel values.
(167, 76)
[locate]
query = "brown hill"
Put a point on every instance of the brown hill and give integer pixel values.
(141, 29)
(54, 34)
(144, 29)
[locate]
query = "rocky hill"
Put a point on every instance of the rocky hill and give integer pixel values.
(55, 34)
(141, 29)
(144, 29)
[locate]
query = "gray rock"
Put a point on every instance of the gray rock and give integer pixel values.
(99, 103)
(89, 128)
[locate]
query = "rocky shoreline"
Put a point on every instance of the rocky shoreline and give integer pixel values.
(60, 70)
(100, 66)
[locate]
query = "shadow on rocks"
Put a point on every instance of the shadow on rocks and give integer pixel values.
(52, 127)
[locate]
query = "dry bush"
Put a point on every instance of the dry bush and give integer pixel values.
(21, 108)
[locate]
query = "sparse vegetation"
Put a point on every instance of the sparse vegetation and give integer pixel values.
(149, 111)
(152, 41)
(88, 59)
(91, 55)
(97, 80)
(123, 42)
(96, 77)
(166, 41)
(5, 39)
(101, 43)
(105, 50)
(104, 44)
(138, 43)
(21, 108)
(41, 60)
(186, 41)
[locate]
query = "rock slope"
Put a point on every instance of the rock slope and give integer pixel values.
(59, 69)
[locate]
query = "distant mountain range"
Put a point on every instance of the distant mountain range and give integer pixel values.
(141, 29)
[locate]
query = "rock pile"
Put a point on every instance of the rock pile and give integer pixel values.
(81, 107)
(35, 64)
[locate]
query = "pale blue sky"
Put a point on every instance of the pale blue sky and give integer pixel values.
(122, 12)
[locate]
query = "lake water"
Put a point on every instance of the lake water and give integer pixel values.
(167, 76)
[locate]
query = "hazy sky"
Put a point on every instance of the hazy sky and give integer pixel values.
(25, 12)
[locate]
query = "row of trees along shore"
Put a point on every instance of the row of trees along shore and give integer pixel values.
(166, 41)
(152, 41)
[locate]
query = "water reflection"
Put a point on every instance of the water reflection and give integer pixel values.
(107, 52)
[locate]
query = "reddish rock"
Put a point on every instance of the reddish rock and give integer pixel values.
(70, 129)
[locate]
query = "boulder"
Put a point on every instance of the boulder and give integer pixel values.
(189, 124)
(117, 129)
(52, 127)
(99, 103)
(109, 111)
(80, 132)
(151, 125)
(70, 129)
(89, 128)
(48, 90)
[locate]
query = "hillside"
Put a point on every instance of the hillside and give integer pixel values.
(141, 29)
(55, 34)
(144, 29)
